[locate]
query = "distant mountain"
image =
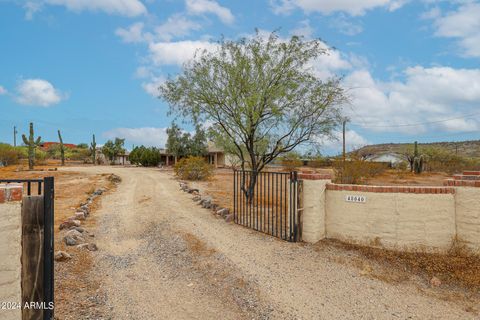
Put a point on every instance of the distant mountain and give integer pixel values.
(469, 149)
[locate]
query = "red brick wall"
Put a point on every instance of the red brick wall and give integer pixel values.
(10, 192)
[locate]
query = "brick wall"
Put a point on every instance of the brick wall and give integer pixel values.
(10, 247)
(399, 217)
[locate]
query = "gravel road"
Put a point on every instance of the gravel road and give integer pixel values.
(163, 257)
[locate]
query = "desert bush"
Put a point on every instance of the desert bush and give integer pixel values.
(193, 168)
(147, 157)
(291, 161)
(439, 160)
(8, 155)
(356, 171)
(319, 162)
(40, 156)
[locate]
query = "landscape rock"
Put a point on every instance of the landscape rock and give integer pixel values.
(69, 241)
(79, 229)
(70, 223)
(79, 215)
(435, 282)
(192, 190)
(229, 217)
(62, 256)
(197, 198)
(88, 246)
(223, 212)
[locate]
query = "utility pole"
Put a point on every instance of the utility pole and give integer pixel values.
(344, 123)
(344, 153)
(15, 136)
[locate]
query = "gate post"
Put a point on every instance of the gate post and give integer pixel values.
(48, 267)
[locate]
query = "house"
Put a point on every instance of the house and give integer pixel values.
(216, 157)
(121, 159)
(392, 158)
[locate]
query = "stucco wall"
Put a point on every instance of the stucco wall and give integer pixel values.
(10, 249)
(314, 210)
(405, 221)
(468, 217)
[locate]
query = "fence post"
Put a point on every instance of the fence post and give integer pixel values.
(48, 269)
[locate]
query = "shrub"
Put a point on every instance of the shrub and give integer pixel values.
(319, 162)
(356, 171)
(147, 157)
(8, 155)
(291, 161)
(193, 168)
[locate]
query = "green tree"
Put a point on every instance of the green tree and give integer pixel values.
(82, 146)
(261, 96)
(111, 149)
(198, 143)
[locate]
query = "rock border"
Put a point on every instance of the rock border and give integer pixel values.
(207, 202)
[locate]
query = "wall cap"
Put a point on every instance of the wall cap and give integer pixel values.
(391, 189)
(11, 192)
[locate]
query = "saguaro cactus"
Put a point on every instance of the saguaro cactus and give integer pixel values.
(32, 144)
(62, 148)
(93, 147)
(418, 160)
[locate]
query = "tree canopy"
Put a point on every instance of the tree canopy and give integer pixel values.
(183, 144)
(260, 94)
(111, 149)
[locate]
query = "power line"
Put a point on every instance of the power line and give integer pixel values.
(417, 124)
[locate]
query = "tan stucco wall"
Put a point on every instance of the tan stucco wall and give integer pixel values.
(468, 217)
(314, 210)
(10, 255)
(394, 220)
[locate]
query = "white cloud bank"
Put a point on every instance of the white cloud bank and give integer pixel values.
(3, 91)
(38, 92)
(462, 24)
(425, 95)
(147, 136)
(352, 7)
(128, 8)
(197, 7)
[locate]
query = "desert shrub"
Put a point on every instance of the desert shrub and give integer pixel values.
(291, 161)
(356, 171)
(8, 155)
(147, 157)
(40, 156)
(193, 168)
(319, 162)
(440, 160)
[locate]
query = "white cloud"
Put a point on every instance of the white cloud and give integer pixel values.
(210, 6)
(176, 26)
(462, 24)
(38, 92)
(152, 86)
(304, 29)
(352, 7)
(345, 25)
(3, 91)
(132, 34)
(425, 95)
(31, 8)
(353, 140)
(129, 8)
(177, 53)
(147, 136)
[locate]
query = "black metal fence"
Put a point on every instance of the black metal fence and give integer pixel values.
(48, 192)
(269, 202)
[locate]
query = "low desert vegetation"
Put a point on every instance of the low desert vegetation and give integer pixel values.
(356, 171)
(193, 168)
(291, 161)
(146, 157)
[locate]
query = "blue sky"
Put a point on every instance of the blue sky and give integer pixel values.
(412, 68)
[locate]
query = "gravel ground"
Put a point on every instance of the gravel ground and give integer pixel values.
(161, 256)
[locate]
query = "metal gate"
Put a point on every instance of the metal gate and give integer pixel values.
(269, 202)
(46, 188)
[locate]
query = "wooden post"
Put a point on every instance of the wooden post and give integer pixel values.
(32, 255)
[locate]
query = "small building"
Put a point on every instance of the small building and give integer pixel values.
(216, 157)
(391, 158)
(47, 145)
(121, 159)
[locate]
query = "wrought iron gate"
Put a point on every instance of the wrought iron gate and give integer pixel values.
(269, 202)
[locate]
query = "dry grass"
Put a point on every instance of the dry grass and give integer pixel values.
(73, 284)
(457, 268)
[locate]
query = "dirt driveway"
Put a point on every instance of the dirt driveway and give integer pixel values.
(163, 257)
